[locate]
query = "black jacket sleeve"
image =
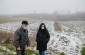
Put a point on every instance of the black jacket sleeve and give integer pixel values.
(16, 39)
(27, 42)
(37, 37)
(48, 37)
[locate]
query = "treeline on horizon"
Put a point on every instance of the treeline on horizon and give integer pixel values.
(55, 16)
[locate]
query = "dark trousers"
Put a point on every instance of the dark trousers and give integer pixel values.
(41, 52)
(20, 52)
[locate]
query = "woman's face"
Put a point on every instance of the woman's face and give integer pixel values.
(42, 27)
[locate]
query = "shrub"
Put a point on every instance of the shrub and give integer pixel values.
(31, 52)
(7, 47)
(62, 53)
(57, 26)
(5, 37)
(83, 50)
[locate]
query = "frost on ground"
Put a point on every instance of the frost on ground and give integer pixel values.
(68, 41)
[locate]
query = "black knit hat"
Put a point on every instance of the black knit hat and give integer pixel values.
(25, 22)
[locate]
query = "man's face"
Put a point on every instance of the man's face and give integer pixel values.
(24, 26)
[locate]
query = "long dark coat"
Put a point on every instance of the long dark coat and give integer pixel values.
(21, 38)
(42, 39)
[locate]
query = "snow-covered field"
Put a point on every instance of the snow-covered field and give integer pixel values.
(66, 41)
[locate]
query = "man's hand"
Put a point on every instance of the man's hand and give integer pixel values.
(26, 47)
(18, 48)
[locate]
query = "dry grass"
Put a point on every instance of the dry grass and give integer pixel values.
(57, 26)
(6, 37)
(32, 38)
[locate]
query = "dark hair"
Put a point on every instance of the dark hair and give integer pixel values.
(25, 22)
(40, 30)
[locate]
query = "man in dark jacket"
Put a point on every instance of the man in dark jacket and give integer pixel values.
(21, 40)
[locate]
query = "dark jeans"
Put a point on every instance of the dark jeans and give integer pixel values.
(20, 52)
(41, 52)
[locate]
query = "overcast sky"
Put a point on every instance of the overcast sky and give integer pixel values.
(40, 6)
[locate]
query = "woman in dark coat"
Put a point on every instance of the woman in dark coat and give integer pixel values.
(42, 39)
